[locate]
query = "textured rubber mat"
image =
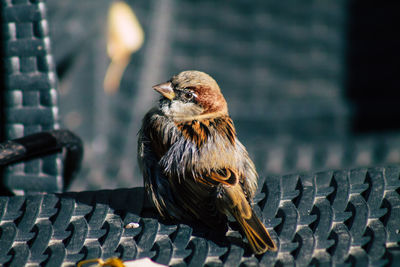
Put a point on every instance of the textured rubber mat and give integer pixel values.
(344, 217)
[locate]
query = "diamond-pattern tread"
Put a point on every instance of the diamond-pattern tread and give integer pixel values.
(341, 217)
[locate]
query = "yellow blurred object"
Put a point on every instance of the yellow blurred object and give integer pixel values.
(112, 262)
(125, 36)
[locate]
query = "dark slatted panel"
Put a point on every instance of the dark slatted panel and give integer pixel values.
(29, 91)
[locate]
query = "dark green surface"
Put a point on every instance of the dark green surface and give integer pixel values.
(296, 77)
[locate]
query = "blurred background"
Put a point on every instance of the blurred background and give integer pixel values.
(311, 85)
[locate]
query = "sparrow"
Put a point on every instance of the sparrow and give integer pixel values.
(194, 167)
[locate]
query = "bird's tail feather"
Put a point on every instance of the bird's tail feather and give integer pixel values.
(256, 233)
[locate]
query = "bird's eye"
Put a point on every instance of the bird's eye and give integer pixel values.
(188, 95)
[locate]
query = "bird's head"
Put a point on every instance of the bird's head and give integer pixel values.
(191, 95)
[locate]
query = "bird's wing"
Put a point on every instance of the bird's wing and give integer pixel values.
(226, 176)
(196, 194)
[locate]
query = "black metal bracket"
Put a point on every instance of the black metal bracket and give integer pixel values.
(42, 144)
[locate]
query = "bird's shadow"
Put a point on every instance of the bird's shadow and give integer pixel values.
(132, 205)
(224, 236)
(125, 203)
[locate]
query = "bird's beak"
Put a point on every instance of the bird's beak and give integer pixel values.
(165, 89)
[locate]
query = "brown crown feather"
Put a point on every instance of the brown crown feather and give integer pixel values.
(209, 95)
